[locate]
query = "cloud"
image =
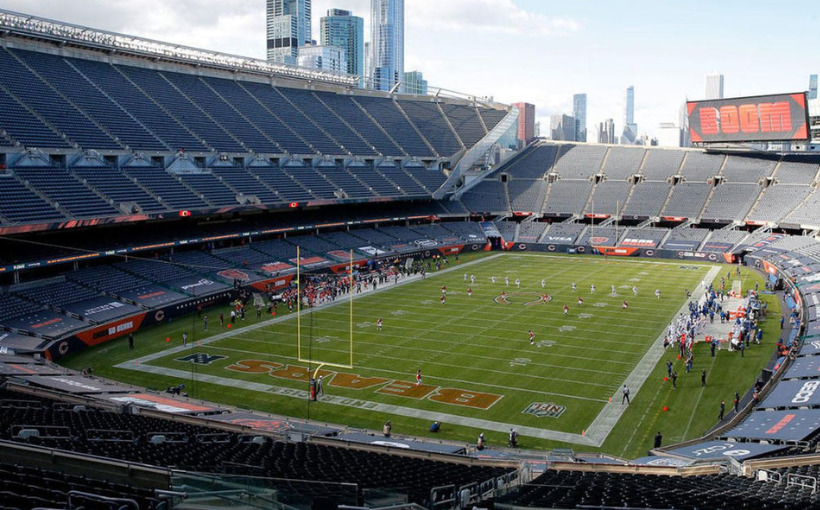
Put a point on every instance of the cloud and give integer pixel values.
(484, 16)
(236, 26)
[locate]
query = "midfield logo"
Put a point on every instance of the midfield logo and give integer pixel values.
(545, 409)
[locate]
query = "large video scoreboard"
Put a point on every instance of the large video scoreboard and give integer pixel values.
(748, 119)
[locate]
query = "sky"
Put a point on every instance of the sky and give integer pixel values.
(537, 51)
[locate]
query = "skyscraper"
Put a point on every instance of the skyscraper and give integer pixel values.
(414, 83)
(288, 27)
(526, 122)
(812, 86)
(562, 127)
(386, 43)
(343, 30)
(579, 111)
(630, 127)
(606, 131)
(323, 58)
(713, 86)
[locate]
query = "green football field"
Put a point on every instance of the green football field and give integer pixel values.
(479, 370)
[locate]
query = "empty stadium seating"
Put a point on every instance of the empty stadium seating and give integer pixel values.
(688, 238)
(276, 136)
(778, 201)
(807, 211)
(609, 197)
(748, 168)
(720, 239)
(531, 231)
(647, 199)
(42, 99)
(67, 192)
(662, 163)
(687, 199)
(11, 307)
(487, 195)
(210, 188)
(600, 236)
(25, 128)
(563, 233)
(112, 183)
(647, 237)
(346, 182)
(280, 104)
(567, 196)
(245, 135)
(72, 84)
(467, 231)
(365, 125)
(21, 204)
(527, 195)
(534, 162)
(391, 120)
(790, 171)
(182, 108)
(622, 162)
(26, 487)
(166, 187)
(437, 130)
(731, 201)
(246, 185)
(700, 166)
(465, 121)
(54, 101)
(580, 489)
(507, 229)
(580, 161)
(402, 180)
(130, 438)
(126, 107)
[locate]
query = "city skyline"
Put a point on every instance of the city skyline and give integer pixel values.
(552, 49)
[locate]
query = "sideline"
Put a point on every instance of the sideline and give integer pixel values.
(612, 412)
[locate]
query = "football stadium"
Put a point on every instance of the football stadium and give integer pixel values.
(227, 283)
